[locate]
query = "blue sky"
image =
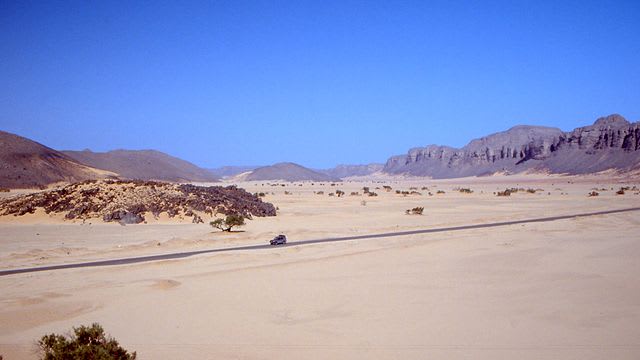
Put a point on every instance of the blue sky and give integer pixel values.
(318, 83)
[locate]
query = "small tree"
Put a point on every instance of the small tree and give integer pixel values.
(87, 342)
(229, 222)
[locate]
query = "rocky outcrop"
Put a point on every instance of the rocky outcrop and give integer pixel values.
(611, 142)
(131, 202)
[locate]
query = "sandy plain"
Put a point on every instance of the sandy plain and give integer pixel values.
(566, 289)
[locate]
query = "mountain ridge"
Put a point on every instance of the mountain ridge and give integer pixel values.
(610, 143)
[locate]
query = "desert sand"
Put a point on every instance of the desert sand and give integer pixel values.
(564, 289)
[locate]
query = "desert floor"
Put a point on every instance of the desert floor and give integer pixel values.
(565, 289)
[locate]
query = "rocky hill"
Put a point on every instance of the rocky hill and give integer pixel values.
(132, 202)
(286, 171)
(345, 171)
(25, 163)
(144, 165)
(610, 143)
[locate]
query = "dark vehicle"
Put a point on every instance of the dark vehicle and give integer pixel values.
(278, 240)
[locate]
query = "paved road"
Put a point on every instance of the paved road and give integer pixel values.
(180, 255)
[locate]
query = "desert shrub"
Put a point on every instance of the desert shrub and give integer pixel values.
(506, 192)
(320, 192)
(287, 193)
(229, 222)
(413, 188)
(398, 192)
(415, 193)
(365, 189)
(332, 194)
(424, 188)
(621, 191)
(339, 193)
(363, 203)
(372, 194)
(464, 190)
(593, 193)
(355, 193)
(87, 342)
(387, 188)
(440, 192)
(415, 211)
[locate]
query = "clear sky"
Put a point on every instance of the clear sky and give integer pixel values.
(318, 83)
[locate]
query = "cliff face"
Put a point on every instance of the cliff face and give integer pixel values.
(611, 142)
(611, 132)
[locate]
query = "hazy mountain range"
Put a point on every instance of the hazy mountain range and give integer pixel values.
(610, 143)
(344, 171)
(229, 171)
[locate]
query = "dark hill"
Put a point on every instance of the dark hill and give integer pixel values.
(25, 163)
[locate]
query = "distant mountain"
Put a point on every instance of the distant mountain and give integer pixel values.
(143, 165)
(286, 171)
(25, 163)
(228, 171)
(610, 143)
(344, 171)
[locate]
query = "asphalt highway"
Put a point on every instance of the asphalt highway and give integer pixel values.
(181, 255)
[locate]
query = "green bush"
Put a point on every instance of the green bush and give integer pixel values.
(229, 222)
(87, 342)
